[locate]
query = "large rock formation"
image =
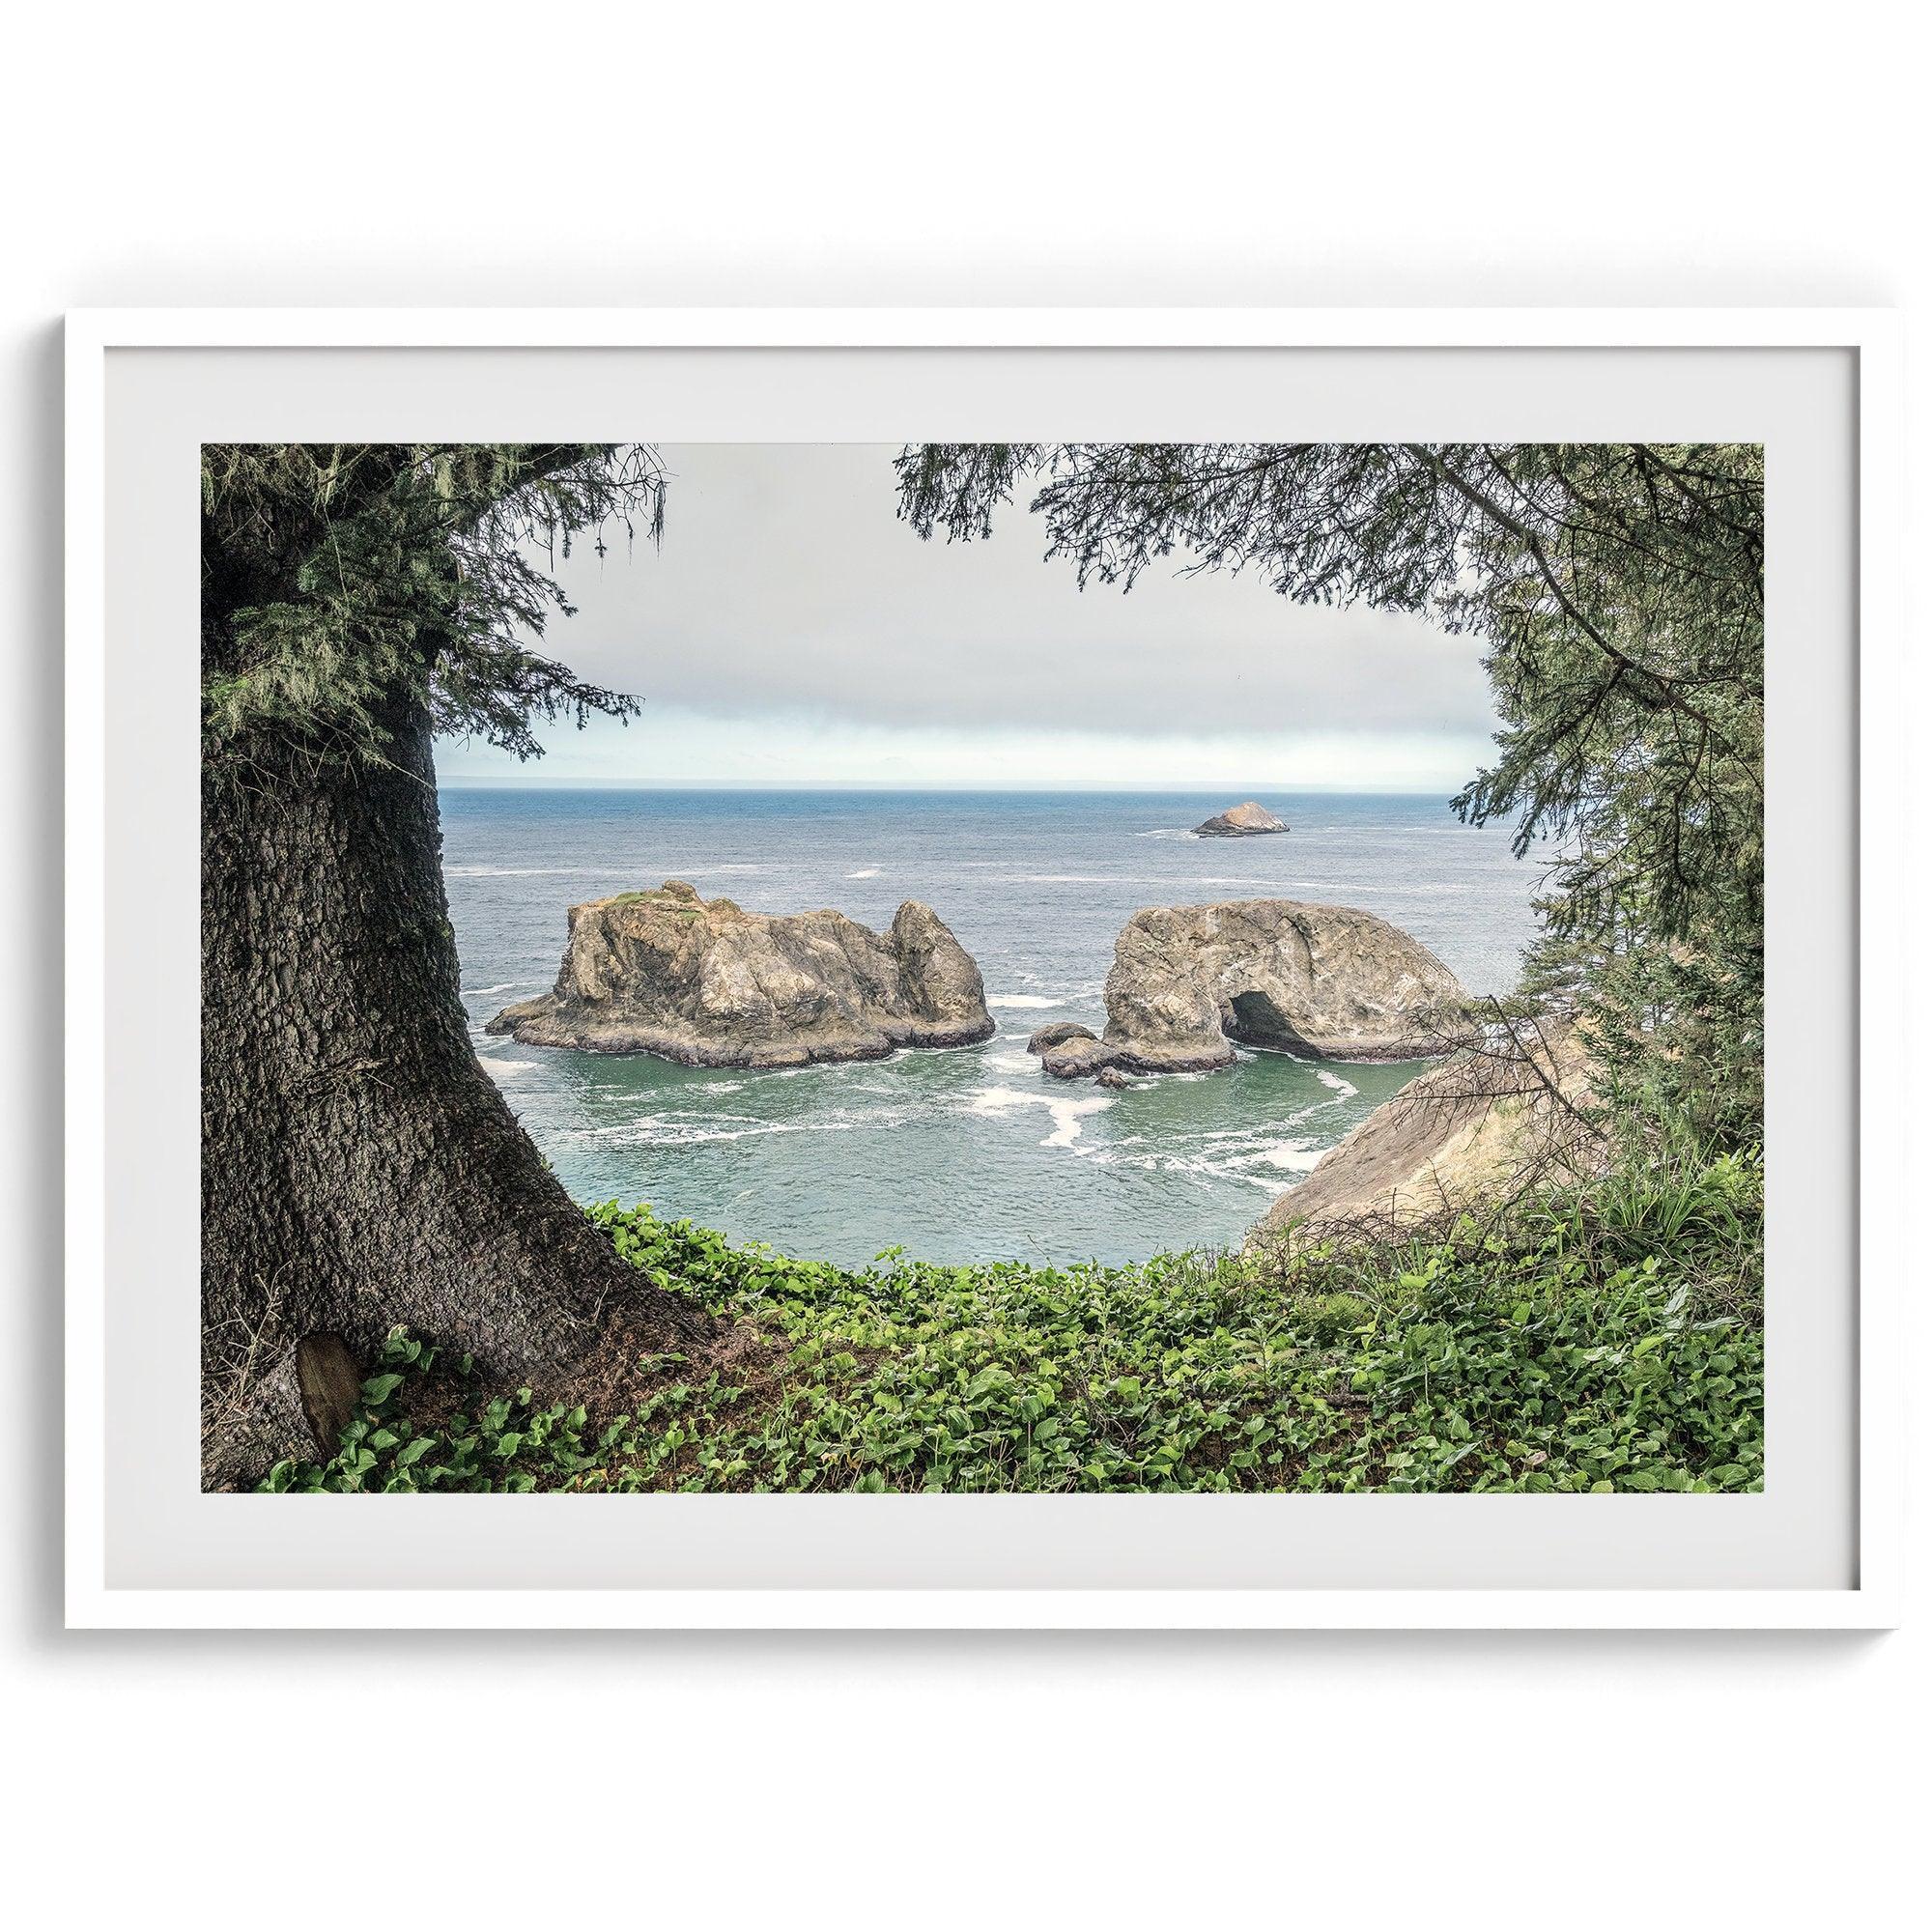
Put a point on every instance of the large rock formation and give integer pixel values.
(1322, 981)
(711, 986)
(1240, 821)
(1465, 1135)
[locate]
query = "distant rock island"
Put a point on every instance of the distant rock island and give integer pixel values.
(1240, 821)
(709, 984)
(1319, 982)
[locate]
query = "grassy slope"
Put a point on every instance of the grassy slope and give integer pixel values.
(1609, 1340)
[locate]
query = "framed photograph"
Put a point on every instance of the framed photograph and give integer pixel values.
(983, 969)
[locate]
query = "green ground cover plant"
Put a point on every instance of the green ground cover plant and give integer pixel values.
(1595, 1338)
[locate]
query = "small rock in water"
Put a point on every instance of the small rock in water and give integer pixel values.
(1078, 1059)
(1056, 1032)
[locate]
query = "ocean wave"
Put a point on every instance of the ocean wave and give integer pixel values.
(996, 1001)
(592, 871)
(532, 871)
(835, 1069)
(508, 986)
(1200, 1168)
(1086, 879)
(1256, 887)
(1343, 1090)
(498, 1067)
(676, 1129)
(865, 872)
(1240, 1158)
(691, 1133)
(1068, 1114)
(1279, 1146)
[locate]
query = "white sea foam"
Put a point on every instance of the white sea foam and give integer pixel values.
(865, 872)
(1012, 1063)
(1202, 1166)
(999, 1000)
(1257, 1157)
(1342, 1088)
(508, 986)
(499, 1068)
(1297, 1157)
(1067, 1113)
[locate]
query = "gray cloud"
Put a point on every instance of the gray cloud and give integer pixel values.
(787, 584)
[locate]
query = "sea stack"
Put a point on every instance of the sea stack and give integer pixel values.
(1323, 982)
(709, 984)
(1319, 982)
(1240, 821)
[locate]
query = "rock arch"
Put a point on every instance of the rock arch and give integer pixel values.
(1322, 981)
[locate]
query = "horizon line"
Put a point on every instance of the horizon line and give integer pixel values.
(466, 782)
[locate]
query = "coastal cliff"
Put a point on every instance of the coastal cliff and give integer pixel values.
(709, 984)
(1464, 1136)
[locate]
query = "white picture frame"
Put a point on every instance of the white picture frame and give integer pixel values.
(1871, 1595)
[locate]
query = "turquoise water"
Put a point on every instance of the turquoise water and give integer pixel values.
(970, 1154)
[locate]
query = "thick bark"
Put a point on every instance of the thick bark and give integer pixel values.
(359, 1169)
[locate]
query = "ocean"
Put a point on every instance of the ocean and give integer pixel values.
(970, 1154)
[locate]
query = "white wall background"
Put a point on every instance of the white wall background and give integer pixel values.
(1114, 152)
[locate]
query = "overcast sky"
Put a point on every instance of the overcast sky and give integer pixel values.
(792, 630)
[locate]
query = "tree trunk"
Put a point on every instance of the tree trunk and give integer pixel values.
(359, 1169)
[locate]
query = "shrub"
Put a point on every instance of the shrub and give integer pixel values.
(1605, 1339)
